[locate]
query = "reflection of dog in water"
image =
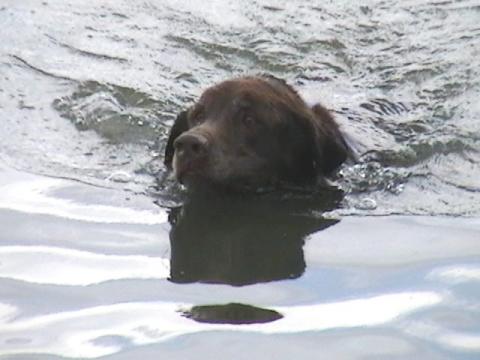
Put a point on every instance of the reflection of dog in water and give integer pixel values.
(243, 240)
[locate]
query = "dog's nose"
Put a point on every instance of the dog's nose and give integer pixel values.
(191, 146)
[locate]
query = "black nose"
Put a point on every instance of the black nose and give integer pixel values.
(191, 146)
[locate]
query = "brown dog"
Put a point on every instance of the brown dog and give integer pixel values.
(253, 132)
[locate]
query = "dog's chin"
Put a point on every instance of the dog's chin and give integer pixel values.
(193, 179)
(188, 173)
(196, 181)
(189, 178)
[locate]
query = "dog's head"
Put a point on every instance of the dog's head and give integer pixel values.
(253, 131)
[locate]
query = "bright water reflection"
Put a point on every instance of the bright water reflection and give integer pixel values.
(57, 266)
(70, 334)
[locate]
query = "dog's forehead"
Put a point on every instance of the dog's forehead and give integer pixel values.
(241, 92)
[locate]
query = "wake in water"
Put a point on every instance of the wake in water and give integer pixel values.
(405, 87)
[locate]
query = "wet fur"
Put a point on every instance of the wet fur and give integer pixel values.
(294, 143)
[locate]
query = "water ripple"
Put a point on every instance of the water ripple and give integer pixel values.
(60, 266)
(69, 334)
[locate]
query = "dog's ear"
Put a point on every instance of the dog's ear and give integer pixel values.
(314, 141)
(179, 126)
(330, 149)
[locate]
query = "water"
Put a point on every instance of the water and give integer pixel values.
(97, 259)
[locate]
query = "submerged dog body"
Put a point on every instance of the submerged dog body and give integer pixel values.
(253, 132)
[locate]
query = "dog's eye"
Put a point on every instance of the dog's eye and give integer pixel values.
(197, 116)
(249, 121)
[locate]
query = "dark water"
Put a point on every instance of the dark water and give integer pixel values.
(98, 259)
